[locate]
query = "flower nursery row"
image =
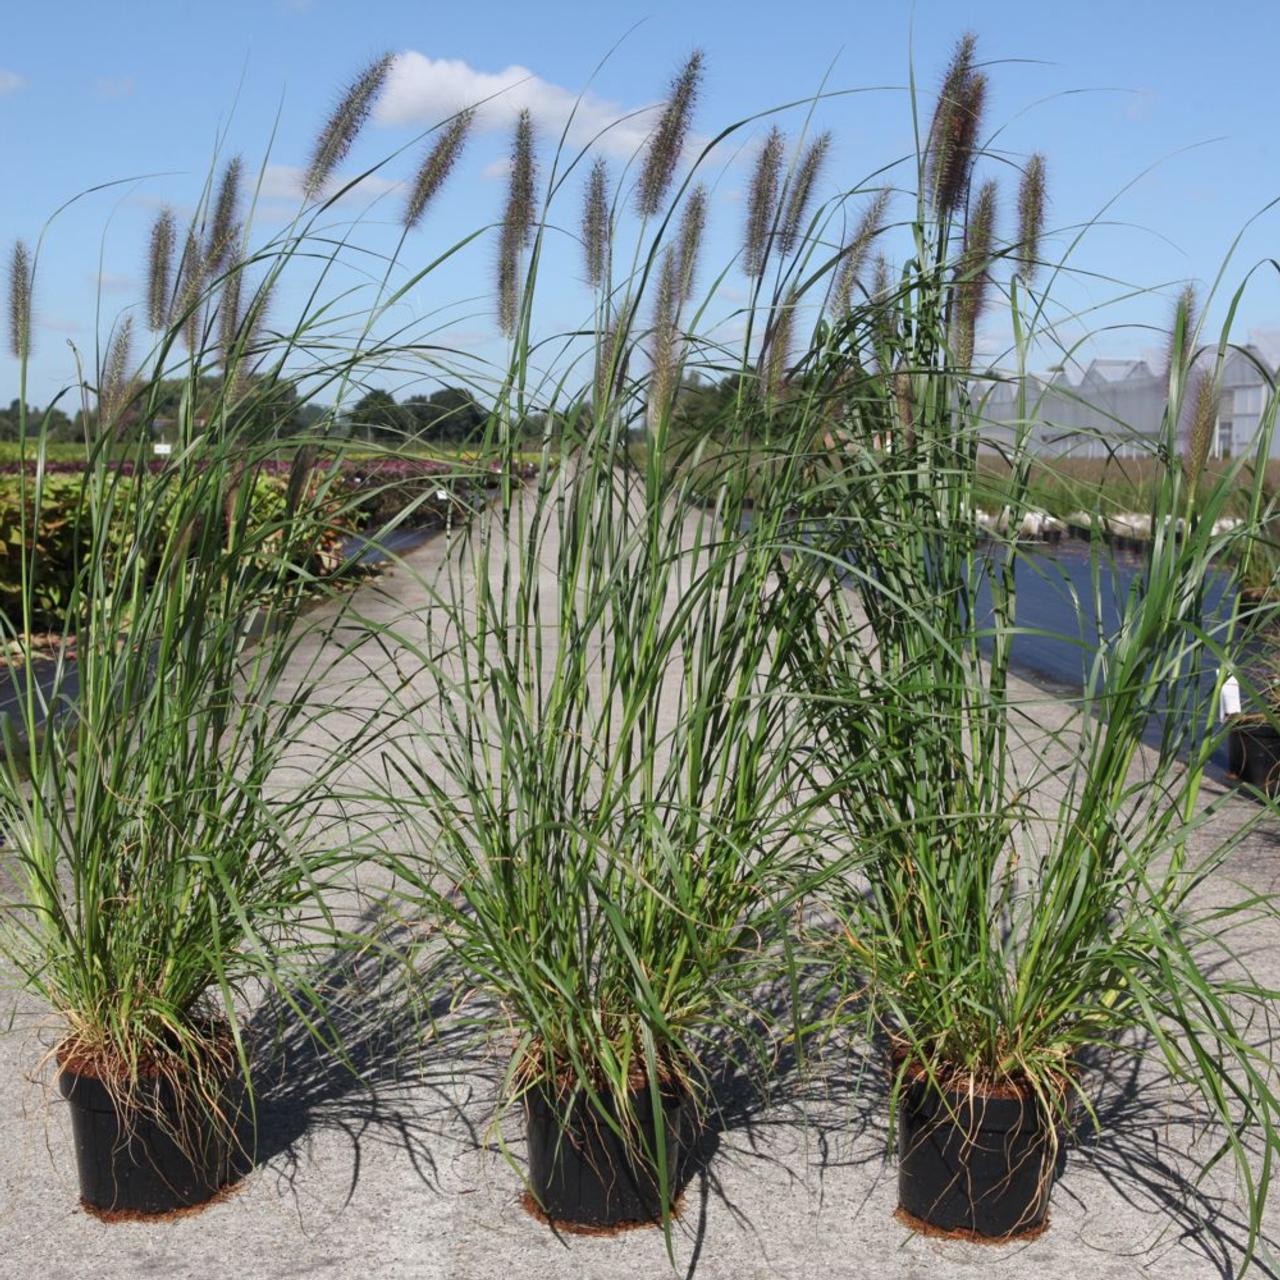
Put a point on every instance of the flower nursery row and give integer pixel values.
(46, 518)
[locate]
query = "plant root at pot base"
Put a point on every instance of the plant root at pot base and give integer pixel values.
(923, 1228)
(531, 1206)
(112, 1217)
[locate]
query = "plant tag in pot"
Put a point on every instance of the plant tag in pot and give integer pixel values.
(1229, 699)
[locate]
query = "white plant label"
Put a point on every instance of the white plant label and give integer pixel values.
(1229, 699)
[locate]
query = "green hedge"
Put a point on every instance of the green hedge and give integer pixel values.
(363, 496)
(56, 538)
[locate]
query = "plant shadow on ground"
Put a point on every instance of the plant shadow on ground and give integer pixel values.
(400, 1074)
(414, 1076)
(750, 1115)
(1141, 1145)
(410, 1074)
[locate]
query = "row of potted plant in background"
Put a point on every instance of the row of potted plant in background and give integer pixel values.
(46, 517)
(704, 741)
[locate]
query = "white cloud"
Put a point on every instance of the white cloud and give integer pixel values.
(284, 182)
(121, 87)
(424, 91)
(10, 81)
(113, 282)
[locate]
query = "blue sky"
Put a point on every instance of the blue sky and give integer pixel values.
(93, 93)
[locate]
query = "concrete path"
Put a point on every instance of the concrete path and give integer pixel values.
(403, 1176)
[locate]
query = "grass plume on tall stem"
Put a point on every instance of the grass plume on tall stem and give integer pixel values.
(117, 375)
(160, 249)
(517, 222)
(666, 145)
(762, 203)
(436, 166)
(854, 254)
(1032, 200)
(20, 289)
(803, 183)
(343, 126)
(972, 281)
(953, 133)
(224, 228)
(596, 222)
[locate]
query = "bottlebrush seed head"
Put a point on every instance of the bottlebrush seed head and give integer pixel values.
(20, 301)
(343, 126)
(762, 202)
(437, 165)
(666, 145)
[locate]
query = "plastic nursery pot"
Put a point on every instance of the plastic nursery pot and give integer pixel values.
(583, 1174)
(1253, 754)
(973, 1163)
(165, 1154)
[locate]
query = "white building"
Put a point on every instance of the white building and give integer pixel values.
(1116, 407)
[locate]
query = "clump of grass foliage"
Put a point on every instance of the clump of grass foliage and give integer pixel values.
(612, 836)
(715, 696)
(1027, 893)
(177, 832)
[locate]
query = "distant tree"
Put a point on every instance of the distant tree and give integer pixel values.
(60, 427)
(450, 414)
(275, 404)
(702, 406)
(536, 425)
(165, 400)
(310, 415)
(377, 416)
(709, 410)
(272, 401)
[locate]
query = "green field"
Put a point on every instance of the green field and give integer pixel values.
(1061, 486)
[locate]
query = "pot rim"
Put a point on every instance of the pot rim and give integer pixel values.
(1253, 721)
(72, 1057)
(952, 1080)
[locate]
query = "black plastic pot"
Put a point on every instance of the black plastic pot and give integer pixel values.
(973, 1163)
(582, 1173)
(159, 1158)
(1253, 755)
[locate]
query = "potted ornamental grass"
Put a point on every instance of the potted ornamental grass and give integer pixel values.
(175, 831)
(1033, 891)
(1253, 750)
(160, 867)
(1253, 741)
(602, 788)
(609, 843)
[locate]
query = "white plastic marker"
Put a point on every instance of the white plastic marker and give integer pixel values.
(1229, 699)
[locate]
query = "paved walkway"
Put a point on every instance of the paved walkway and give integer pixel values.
(403, 1177)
